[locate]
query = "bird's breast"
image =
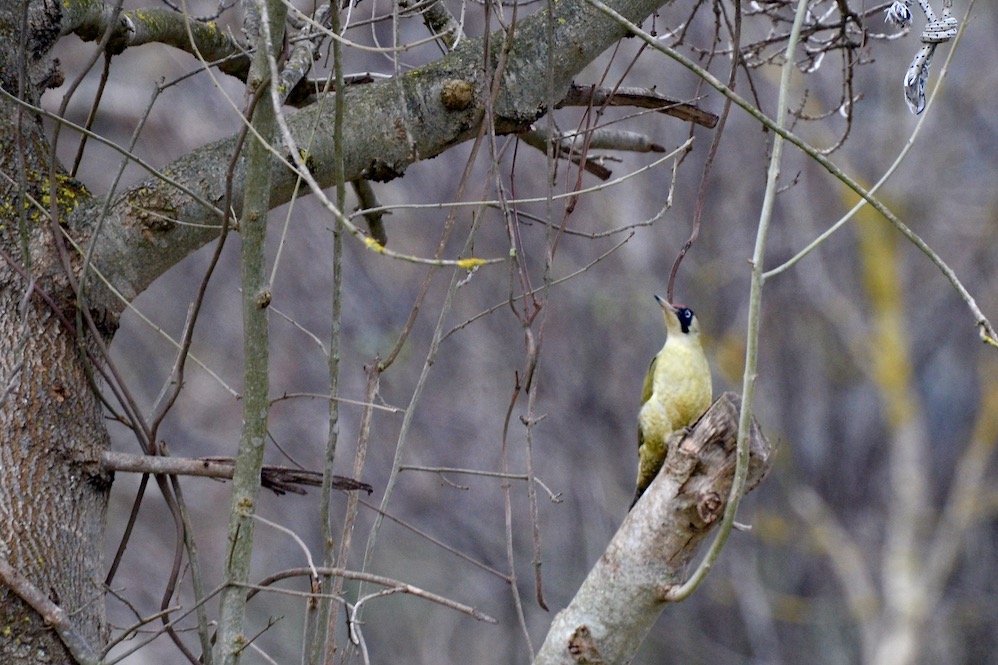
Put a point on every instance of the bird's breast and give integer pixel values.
(682, 384)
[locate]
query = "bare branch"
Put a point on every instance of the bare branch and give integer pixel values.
(136, 251)
(89, 20)
(644, 98)
(264, 585)
(278, 479)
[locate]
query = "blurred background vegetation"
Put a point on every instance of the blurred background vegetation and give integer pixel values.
(863, 343)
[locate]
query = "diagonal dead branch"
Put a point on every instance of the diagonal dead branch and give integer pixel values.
(643, 98)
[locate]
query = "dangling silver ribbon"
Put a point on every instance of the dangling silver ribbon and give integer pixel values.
(937, 31)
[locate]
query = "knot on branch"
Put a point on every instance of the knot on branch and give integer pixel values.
(710, 507)
(457, 94)
(583, 648)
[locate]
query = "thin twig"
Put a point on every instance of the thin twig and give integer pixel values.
(715, 143)
(265, 585)
(752, 335)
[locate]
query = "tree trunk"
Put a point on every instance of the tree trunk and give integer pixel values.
(53, 494)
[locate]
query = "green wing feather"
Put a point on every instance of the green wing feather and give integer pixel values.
(646, 390)
(649, 386)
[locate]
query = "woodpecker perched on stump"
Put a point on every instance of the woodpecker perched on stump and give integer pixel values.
(677, 391)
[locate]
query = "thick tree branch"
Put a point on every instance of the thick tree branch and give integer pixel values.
(89, 20)
(381, 136)
(625, 591)
(201, 38)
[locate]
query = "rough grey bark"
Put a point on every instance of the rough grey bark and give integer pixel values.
(53, 492)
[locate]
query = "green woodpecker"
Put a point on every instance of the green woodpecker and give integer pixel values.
(676, 391)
